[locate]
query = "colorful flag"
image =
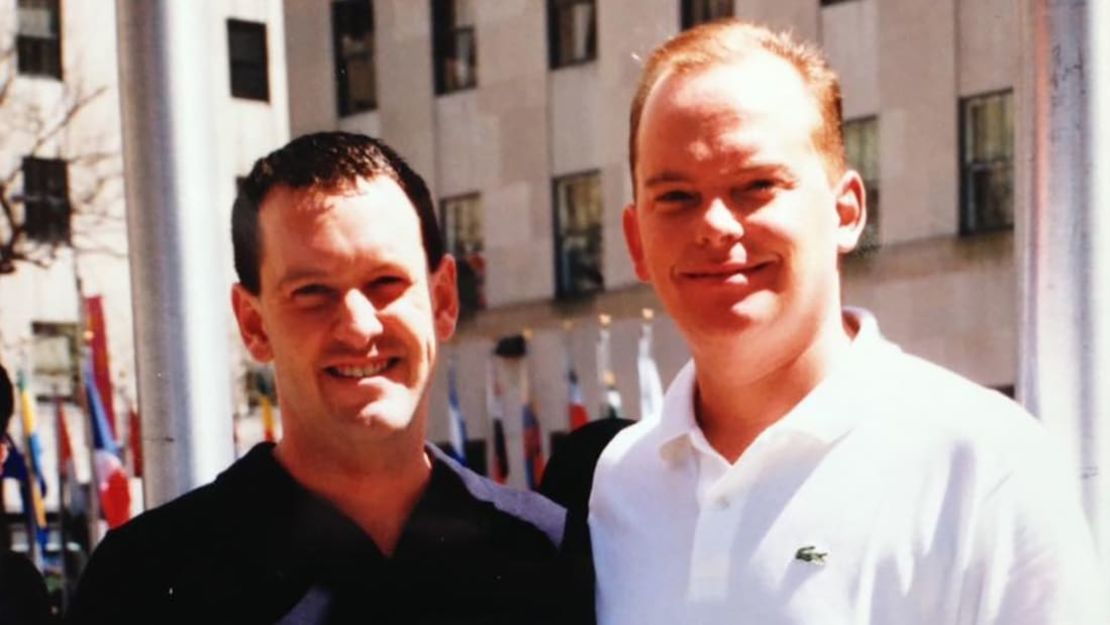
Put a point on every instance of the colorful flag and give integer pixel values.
(111, 480)
(101, 369)
(611, 401)
(531, 433)
(577, 416)
(264, 388)
(34, 451)
(269, 430)
(651, 386)
(15, 467)
(456, 424)
(72, 506)
(576, 408)
(499, 468)
(135, 440)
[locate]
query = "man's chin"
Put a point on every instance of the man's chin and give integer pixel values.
(383, 418)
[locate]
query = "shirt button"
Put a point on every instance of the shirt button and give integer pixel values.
(722, 502)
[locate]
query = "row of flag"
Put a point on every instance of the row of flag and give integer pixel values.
(108, 472)
(516, 348)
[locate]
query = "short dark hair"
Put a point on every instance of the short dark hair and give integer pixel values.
(324, 160)
(7, 401)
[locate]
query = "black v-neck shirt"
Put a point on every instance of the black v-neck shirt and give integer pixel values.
(256, 547)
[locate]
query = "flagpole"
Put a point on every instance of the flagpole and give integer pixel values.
(1064, 231)
(175, 248)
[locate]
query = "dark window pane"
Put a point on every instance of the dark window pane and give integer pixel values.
(355, 72)
(463, 238)
(987, 151)
(861, 150)
(38, 40)
(46, 200)
(455, 45)
(246, 44)
(696, 12)
(572, 31)
(578, 235)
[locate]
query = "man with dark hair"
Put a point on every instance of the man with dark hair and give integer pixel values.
(352, 516)
(23, 598)
(804, 469)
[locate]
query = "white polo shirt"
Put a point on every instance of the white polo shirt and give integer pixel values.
(896, 492)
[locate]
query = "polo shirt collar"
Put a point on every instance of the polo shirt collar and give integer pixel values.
(828, 412)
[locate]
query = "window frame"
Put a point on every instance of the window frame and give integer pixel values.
(687, 20)
(236, 67)
(870, 237)
(554, 10)
(970, 215)
(446, 33)
(345, 106)
(47, 51)
(69, 333)
(448, 223)
(42, 208)
(564, 282)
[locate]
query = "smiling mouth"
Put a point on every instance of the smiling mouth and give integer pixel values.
(364, 371)
(725, 272)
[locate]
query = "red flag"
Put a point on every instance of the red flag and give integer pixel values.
(102, 368)
(500, 469)
(65, 447)
(576, 409)
(135, 441)
(115, 492)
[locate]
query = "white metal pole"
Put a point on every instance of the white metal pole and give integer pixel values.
(1064, 235)
(179, 293)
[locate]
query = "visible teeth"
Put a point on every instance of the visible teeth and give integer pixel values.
(361, 372)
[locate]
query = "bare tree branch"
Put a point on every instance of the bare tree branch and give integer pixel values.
(90, 205)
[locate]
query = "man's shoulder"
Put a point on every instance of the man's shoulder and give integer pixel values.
(523, 508)
(204, 513)
(162, 561)
(569, 476)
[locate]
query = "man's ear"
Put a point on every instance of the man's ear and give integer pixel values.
(631, 223)
(251, 328)
(445, 297)
(851, 210)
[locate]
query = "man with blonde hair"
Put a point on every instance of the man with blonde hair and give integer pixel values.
(805, 469)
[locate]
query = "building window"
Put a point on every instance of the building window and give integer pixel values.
(46, 208)
(39, 39)
(571, 31)
(578, 212)
(861, 150)
(54, 357)
(455, 48)
(462, 228)
(987, 163)
(696, 12)
(352, 26)
(246, 48)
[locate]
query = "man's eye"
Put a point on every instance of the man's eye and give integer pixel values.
(676, 197)
(763, 184)
(388, 281)
(311, 291)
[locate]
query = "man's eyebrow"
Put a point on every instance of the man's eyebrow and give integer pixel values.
(665, 177)
(299, 274)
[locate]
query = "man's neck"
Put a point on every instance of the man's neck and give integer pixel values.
(733, 410)
(378, 491)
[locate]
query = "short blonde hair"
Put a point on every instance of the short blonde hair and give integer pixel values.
(731, 40)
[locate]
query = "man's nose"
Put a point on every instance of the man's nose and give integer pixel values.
(358, 321)
(719, 224)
